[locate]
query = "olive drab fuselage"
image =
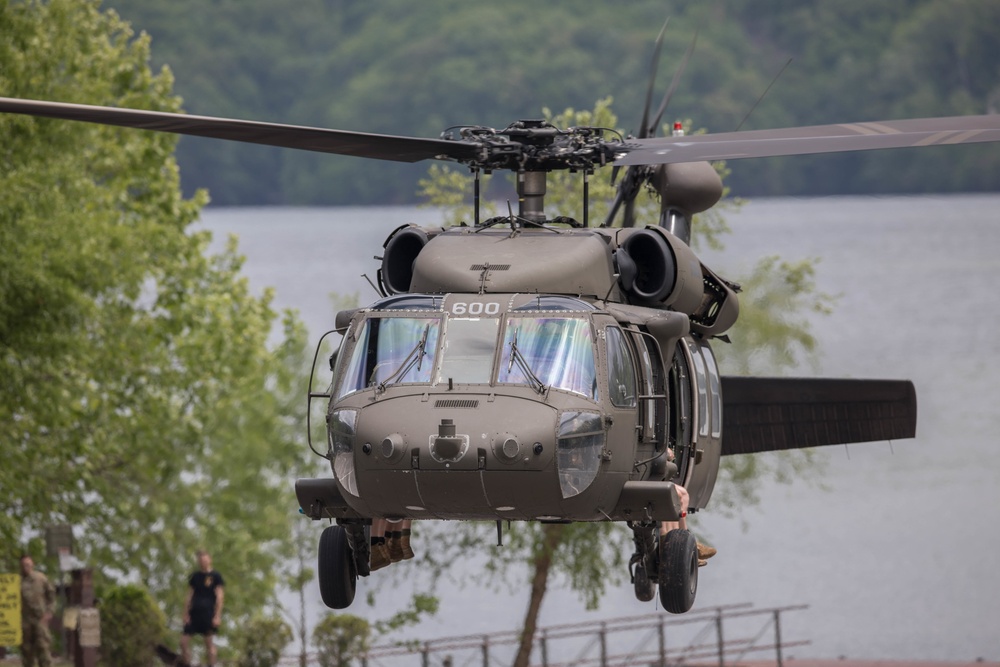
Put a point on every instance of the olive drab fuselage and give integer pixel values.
(519, 406)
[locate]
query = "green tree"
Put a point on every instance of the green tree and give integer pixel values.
(140, 400)
(772, 334)
(340, 639)
(352, 65)
(298, 574)
(131, 627)
(260, 641)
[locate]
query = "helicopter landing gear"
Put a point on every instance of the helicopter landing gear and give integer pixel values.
(645, 589)
(338, 573)
(678, 570)
(642, 565)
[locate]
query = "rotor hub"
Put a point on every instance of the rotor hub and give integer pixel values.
(537, 145)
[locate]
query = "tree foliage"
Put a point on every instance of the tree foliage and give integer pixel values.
(131, 626)
(354, 66)
(260, 641)
(340, 639)
(140, 400)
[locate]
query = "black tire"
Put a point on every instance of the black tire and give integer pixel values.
(678, 571)
(645, 590)
(338, 576)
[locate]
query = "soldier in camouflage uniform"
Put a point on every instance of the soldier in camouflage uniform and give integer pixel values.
(38, 598)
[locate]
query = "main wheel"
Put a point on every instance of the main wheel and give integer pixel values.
(338, 576)
(678, 571)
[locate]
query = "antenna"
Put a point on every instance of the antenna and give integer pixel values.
(475, 170)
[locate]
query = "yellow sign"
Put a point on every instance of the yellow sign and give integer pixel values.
(10, 610)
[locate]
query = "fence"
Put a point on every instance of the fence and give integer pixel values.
(718, 635)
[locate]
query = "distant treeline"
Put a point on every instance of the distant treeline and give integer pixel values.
(404, 67)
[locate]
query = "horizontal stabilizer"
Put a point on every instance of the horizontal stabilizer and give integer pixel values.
(767, 414)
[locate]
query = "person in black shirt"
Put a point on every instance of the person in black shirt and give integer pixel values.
(202, 607)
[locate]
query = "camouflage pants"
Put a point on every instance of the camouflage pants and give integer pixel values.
(35, 644)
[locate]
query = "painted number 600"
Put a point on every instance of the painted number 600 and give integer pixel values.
(475, 308)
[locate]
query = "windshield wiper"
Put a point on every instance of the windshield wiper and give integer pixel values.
(523, 365)
(416, 356)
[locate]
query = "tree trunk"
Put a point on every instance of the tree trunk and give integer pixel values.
(303, 634)
(552, 534)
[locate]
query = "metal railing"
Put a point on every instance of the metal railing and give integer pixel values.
(717, 635)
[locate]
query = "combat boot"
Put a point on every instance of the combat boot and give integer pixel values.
(395, 548)
(404, 544)
(705, 552)
(380, 556)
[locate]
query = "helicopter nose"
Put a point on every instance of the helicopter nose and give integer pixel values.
(422, 456)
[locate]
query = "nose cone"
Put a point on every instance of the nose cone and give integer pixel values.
(433, 457)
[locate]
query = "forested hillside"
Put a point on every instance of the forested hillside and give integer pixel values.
(402, 67)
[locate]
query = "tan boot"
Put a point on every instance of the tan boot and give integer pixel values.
(395, 550)
(705, 552)
(380, 557)
(404, 545)
(702, 562)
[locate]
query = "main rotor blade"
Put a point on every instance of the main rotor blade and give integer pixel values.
(651, 130)
(342, 142)
(813, 139)
(621, 194)
(628, 217)
(615, 205)
(653, 64)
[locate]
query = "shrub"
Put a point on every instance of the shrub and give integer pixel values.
(340, 639)
(131, 626)
(260, 641)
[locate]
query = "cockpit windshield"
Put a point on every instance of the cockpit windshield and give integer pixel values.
(555, 351)
(540, 352)
(469, 348)
(392, 350)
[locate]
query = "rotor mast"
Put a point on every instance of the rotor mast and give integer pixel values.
(531, 195)
(532, 149)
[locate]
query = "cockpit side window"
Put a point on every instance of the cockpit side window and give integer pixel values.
(558, 351)
(621, 370)
(392, 350)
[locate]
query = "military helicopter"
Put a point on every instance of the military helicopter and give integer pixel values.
(546, 369)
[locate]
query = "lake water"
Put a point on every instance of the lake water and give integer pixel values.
(895, 549)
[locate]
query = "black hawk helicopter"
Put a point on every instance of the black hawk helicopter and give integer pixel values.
(535, 369)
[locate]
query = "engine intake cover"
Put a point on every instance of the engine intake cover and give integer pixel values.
(667, 272)
(401, 250)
